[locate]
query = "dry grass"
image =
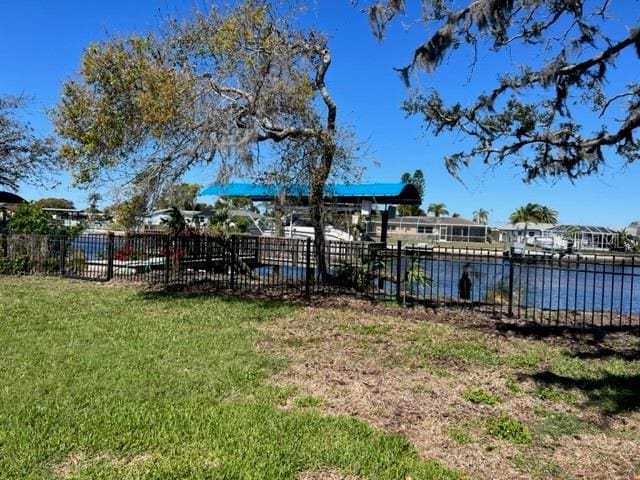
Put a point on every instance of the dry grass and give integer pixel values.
(75, 462)
(325, 475)
(410, 375)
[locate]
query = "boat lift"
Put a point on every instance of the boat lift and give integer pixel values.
(363, 196)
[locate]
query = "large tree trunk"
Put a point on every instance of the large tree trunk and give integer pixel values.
(317, 218)
(316, 204)
(321, 173)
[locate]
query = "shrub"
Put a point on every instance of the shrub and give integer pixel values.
(508, 428)
(459, 435)
(14, 265)
(481, 396)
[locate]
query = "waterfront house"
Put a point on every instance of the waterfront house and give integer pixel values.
(423, 229)
(546, 235)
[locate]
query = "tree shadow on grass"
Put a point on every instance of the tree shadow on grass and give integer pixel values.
(611, 393)
(579, 334)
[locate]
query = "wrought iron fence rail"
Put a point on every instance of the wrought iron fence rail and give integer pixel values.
(591, 291)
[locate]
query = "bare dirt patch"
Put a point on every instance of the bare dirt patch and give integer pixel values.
(409, 374)
(325, 475)
(77, 461)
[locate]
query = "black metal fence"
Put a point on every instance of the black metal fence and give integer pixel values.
(590, 291)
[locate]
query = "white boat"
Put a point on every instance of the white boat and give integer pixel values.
(300, 228)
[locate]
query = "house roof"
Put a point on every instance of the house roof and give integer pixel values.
(529, 226)
(424, 220)
(389, 193)
(549, 227)
(8, 197)
(166, 211)
(583, 229)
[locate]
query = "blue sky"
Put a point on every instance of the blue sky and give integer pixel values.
(41, 43)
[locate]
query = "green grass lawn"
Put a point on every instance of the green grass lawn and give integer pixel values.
(106, 382)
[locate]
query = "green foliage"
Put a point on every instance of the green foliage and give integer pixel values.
(432, 344)
(14, 265)
(556, 424)
(182, 196)
(416, 179)
(128, 214)
(30, 219)
(460, 435)
(512, 385)
(481, 397)
(139, 103)
(54, 203)
(92, 199)
(415, 275)
(371, 329)
(242, 203)
(365, 275)
(537, 467)
(481, 216)
(24, 158)
(547, 393)
(437, 209)
(534, 213)
(176, 223)
(308, 401)
(538, 114)
(508, 428)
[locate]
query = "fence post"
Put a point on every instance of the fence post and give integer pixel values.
(167, 259)
(511, 271)
(398, 272)
(4, 245)
(307, 269)
(207, 246)
(63, 254)
(110, 255)
(232, 264)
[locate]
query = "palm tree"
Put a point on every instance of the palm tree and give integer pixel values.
(175, 224)
(438, 209)
(93, 198)
(481, 216)
(547, 215)
(529, 213)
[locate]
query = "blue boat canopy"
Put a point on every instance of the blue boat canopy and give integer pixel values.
(381, 193)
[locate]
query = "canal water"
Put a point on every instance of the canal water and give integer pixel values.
(549, 285)
(541, 284)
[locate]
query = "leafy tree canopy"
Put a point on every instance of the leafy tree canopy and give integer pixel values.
(481, 216)
(182, 196)
(207, 91)
(416, 179)
(534, 213)
(437, 209)
(92, 199)
(29, 218)
(54, 203)
(556, 112)
(128, 214)
(23, 156)
(242, 203)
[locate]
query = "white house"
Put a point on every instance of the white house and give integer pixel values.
(549, 236)
(524, 232)
(69, 217)
(192, 217)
